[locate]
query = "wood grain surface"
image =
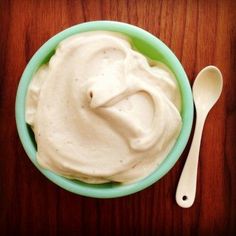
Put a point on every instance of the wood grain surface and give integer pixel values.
(200, 33)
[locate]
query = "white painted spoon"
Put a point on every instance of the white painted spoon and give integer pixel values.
(207, 88)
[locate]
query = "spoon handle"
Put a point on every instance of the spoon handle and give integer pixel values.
(186, 189)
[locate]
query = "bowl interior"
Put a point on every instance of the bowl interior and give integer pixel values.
(145, 43)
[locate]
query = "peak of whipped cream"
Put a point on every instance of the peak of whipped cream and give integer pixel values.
(101, 111)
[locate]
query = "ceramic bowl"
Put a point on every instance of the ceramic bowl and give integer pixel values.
(148, 45)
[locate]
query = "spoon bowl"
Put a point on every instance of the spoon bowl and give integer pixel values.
(207, 88)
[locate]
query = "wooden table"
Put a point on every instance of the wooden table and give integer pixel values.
(200, 33)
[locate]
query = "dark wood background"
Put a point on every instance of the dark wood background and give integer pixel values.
(200, 33)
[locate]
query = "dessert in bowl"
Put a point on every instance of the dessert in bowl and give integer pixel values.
(110, 107)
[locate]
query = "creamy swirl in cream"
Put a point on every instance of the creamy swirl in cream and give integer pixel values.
(101, 111)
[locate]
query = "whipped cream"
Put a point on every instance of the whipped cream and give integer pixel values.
(101, 111)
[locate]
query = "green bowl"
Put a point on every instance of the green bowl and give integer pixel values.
(147, 44)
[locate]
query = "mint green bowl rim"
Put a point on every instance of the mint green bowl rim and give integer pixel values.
(112, 190)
